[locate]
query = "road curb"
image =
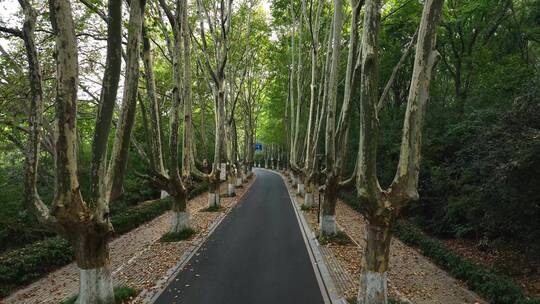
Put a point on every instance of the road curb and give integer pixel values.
(324, 280)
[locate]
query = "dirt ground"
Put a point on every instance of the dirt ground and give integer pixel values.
(411, 276)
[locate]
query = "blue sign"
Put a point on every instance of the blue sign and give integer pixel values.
(258, 147)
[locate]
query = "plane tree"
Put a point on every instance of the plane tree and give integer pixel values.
(381, 206)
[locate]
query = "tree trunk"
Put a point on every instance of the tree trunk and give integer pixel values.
(120, 152)
(327, 221)
(300, 186)
(213, 193)
(180, 217)
(309, 195)
(382, 207)
(231, 181)
(92, 256)
(96, 285)
(155, 149)
(374, 277)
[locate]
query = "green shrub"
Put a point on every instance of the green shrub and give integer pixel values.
(23, 265)
(213, 209)
(339, 238)
(134, 217)
(305, 207)
(178, 236)
(121, 295)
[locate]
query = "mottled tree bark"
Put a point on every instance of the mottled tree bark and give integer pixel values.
(178, 182)
(35, 118)
(154, 136)
(336, 134)
(120, 151)
(219, 30)
(382, 207)
(85, 225)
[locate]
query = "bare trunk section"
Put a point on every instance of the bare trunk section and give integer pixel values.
(328, 206)
(95, 285)
(213, 194)
(92, 256)
(120, 151)
(35, 119)
(374, 277)
(111, 78)
(180, 216)
(309, 194)
(327, 222)
(155, 144)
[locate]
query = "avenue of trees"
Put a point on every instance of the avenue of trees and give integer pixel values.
(424, 110)
(96, 93)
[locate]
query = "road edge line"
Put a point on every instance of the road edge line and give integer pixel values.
(324, 280)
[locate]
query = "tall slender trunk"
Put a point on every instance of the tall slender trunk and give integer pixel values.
(120, 151)
(188, 140)
(328, 213)
(107, 102)
(155, 143)
(310, 189)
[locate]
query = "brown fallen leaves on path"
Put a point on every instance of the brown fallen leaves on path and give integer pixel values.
(138, 259)
(411, 276)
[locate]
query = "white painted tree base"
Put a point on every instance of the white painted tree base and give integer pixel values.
(300, 189)
(180, 222)
(238, 182)
(308, 199)
(95, 286)
(293, 180)
(213, 200)
(328, 224)
(164, 194)
(373, 288)
(230, 189)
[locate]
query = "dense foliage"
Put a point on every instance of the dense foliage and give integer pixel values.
(480, 159)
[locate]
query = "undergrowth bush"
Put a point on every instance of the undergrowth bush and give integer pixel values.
(121, 295)
(339, 238)
(178, 236)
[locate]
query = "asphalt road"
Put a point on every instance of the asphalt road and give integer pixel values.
(256, 255)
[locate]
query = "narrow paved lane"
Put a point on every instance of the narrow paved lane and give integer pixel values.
(256, 256)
